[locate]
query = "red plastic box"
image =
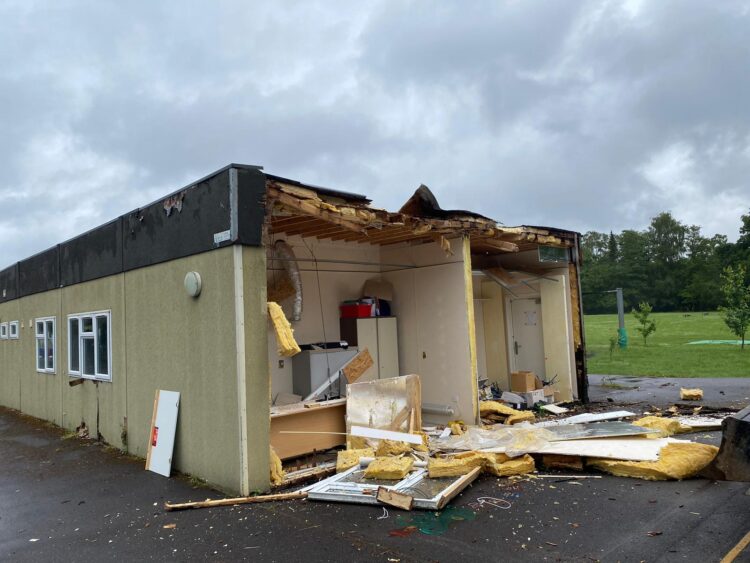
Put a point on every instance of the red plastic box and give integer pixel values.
(356, 311)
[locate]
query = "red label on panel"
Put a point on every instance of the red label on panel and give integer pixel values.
(154, 436)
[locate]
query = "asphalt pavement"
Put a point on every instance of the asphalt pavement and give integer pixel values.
(74, 500)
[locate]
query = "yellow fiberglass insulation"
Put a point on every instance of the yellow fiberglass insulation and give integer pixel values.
(514, 416)
(522, 416)
(347, 459)
(457, 427)
(391, 447)
(277, 471)
(494, 463)
(515, 466)
(677, 460)
(453, 466)
(665, 426)
(287, 345)
(494, 407)
(691, 394)
(389, 468)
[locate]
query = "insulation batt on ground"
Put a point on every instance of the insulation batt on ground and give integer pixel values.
(665, 426)
(389, 468)
(677, 460)
(691, 394)
(347, 459)
(391, 447)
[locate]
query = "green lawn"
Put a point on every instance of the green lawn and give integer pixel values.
(667, 353)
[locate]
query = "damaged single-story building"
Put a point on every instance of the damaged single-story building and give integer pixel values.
(174, 296)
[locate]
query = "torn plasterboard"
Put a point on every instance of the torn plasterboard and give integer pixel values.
(162, 435)
(631, 449)
(587, 417)
(385, 404)
(378, 434)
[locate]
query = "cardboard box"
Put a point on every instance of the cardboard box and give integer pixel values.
(538, 383)
(522, 381)
(533, 397)
(548, 391)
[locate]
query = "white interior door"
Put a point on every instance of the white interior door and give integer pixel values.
(528, 338)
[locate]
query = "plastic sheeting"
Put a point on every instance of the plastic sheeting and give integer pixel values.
(512, 440)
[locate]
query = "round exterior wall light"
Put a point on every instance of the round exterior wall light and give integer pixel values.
(193, 284)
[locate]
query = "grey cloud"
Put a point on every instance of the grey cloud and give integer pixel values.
(583, 115)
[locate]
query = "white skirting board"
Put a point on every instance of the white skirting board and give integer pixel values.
(163, 429)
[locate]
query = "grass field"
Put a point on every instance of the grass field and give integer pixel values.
(667, 353)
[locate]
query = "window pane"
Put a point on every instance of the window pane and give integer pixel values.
(88, 324)
(74, 345)
(88, 356)
(50, 345)
(40, 329)
(40, 353)
(102, 343)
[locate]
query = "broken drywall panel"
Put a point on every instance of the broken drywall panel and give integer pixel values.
(378, 434)
(385, 403)
(555, 409)
(630, 449)
(163, 429)
(587, 417)
(589, 430)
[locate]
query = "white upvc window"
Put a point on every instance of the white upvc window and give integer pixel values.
(13, 330)
(90, 345)
(3, 331)
(46, 344)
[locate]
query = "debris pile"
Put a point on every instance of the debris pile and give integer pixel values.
(392, 460)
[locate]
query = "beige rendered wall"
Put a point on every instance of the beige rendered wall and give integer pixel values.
(179, 343)
(212, 349)
(39, 392)
(11, 353)
(558, 331)
(100, 404)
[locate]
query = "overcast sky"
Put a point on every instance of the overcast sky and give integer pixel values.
(590, 115)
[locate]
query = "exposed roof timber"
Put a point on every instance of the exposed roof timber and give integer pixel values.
(316, 214)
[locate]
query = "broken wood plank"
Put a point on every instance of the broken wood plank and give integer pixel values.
(395, 499)
(302, 475)
(458, 486)
(358, 365)
(235, 501)
(378, 434)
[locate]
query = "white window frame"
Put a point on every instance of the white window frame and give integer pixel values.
(43, 335)
(93, 335)
(13, 332)
(3, 331)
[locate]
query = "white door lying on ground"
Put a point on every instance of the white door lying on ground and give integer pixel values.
(527, 345)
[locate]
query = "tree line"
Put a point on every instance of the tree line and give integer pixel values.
(670, 265)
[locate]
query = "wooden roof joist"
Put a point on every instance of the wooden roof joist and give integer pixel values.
(297, 210)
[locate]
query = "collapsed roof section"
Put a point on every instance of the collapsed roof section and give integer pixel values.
(297, 209)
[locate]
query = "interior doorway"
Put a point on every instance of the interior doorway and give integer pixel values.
(527, 337)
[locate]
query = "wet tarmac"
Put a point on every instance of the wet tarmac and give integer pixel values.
(73, 500)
